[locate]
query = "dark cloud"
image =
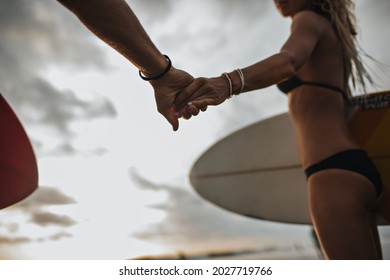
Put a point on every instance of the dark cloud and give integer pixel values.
(142, 182)
(152, 12)
(61, 108)
(36, 35)
(47, 218)
(34, 208)
(41, 198)
(14, 240)
(45, 196)
(247, 11)
(47, 33)
(60, 235)
(190, 218)
(7, 240)
(56, 237)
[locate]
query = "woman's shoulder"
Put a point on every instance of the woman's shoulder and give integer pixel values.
(311, 18)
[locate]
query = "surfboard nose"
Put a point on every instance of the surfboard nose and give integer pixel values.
(18, 167)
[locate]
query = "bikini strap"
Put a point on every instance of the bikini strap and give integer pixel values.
(345, 96)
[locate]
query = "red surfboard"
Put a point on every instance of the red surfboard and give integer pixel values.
(18, 166)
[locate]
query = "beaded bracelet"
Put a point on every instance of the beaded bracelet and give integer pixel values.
(159, 76)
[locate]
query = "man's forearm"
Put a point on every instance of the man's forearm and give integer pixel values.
(114, 22)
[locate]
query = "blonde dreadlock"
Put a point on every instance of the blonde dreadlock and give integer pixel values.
(341, 14)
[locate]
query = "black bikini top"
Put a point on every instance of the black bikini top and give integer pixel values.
(294, 82)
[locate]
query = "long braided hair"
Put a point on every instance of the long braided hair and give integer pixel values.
(342, 16)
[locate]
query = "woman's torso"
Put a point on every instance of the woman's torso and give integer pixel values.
(319, 114)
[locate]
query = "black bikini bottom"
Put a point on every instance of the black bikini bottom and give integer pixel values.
(353, 160)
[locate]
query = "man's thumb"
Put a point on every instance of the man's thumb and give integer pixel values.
(172, 118)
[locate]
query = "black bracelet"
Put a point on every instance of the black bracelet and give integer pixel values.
(169, 66)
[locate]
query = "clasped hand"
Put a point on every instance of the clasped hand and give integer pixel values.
(178, 95)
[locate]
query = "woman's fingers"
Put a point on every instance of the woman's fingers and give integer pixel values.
(193, 110)
(186, 94)
(204, 102)
(203, 92)
(186, 115)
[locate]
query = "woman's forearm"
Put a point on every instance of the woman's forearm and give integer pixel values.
(265, 73)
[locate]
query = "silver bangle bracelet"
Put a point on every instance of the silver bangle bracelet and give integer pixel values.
(241, 74)
(230, 84)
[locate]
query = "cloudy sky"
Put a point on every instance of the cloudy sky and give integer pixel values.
(113, 175)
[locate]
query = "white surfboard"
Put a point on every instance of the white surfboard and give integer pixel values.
(256, 171)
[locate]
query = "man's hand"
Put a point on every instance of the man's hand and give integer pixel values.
(165, 91)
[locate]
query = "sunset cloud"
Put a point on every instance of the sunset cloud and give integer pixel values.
(45, 196)
(47, 218)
